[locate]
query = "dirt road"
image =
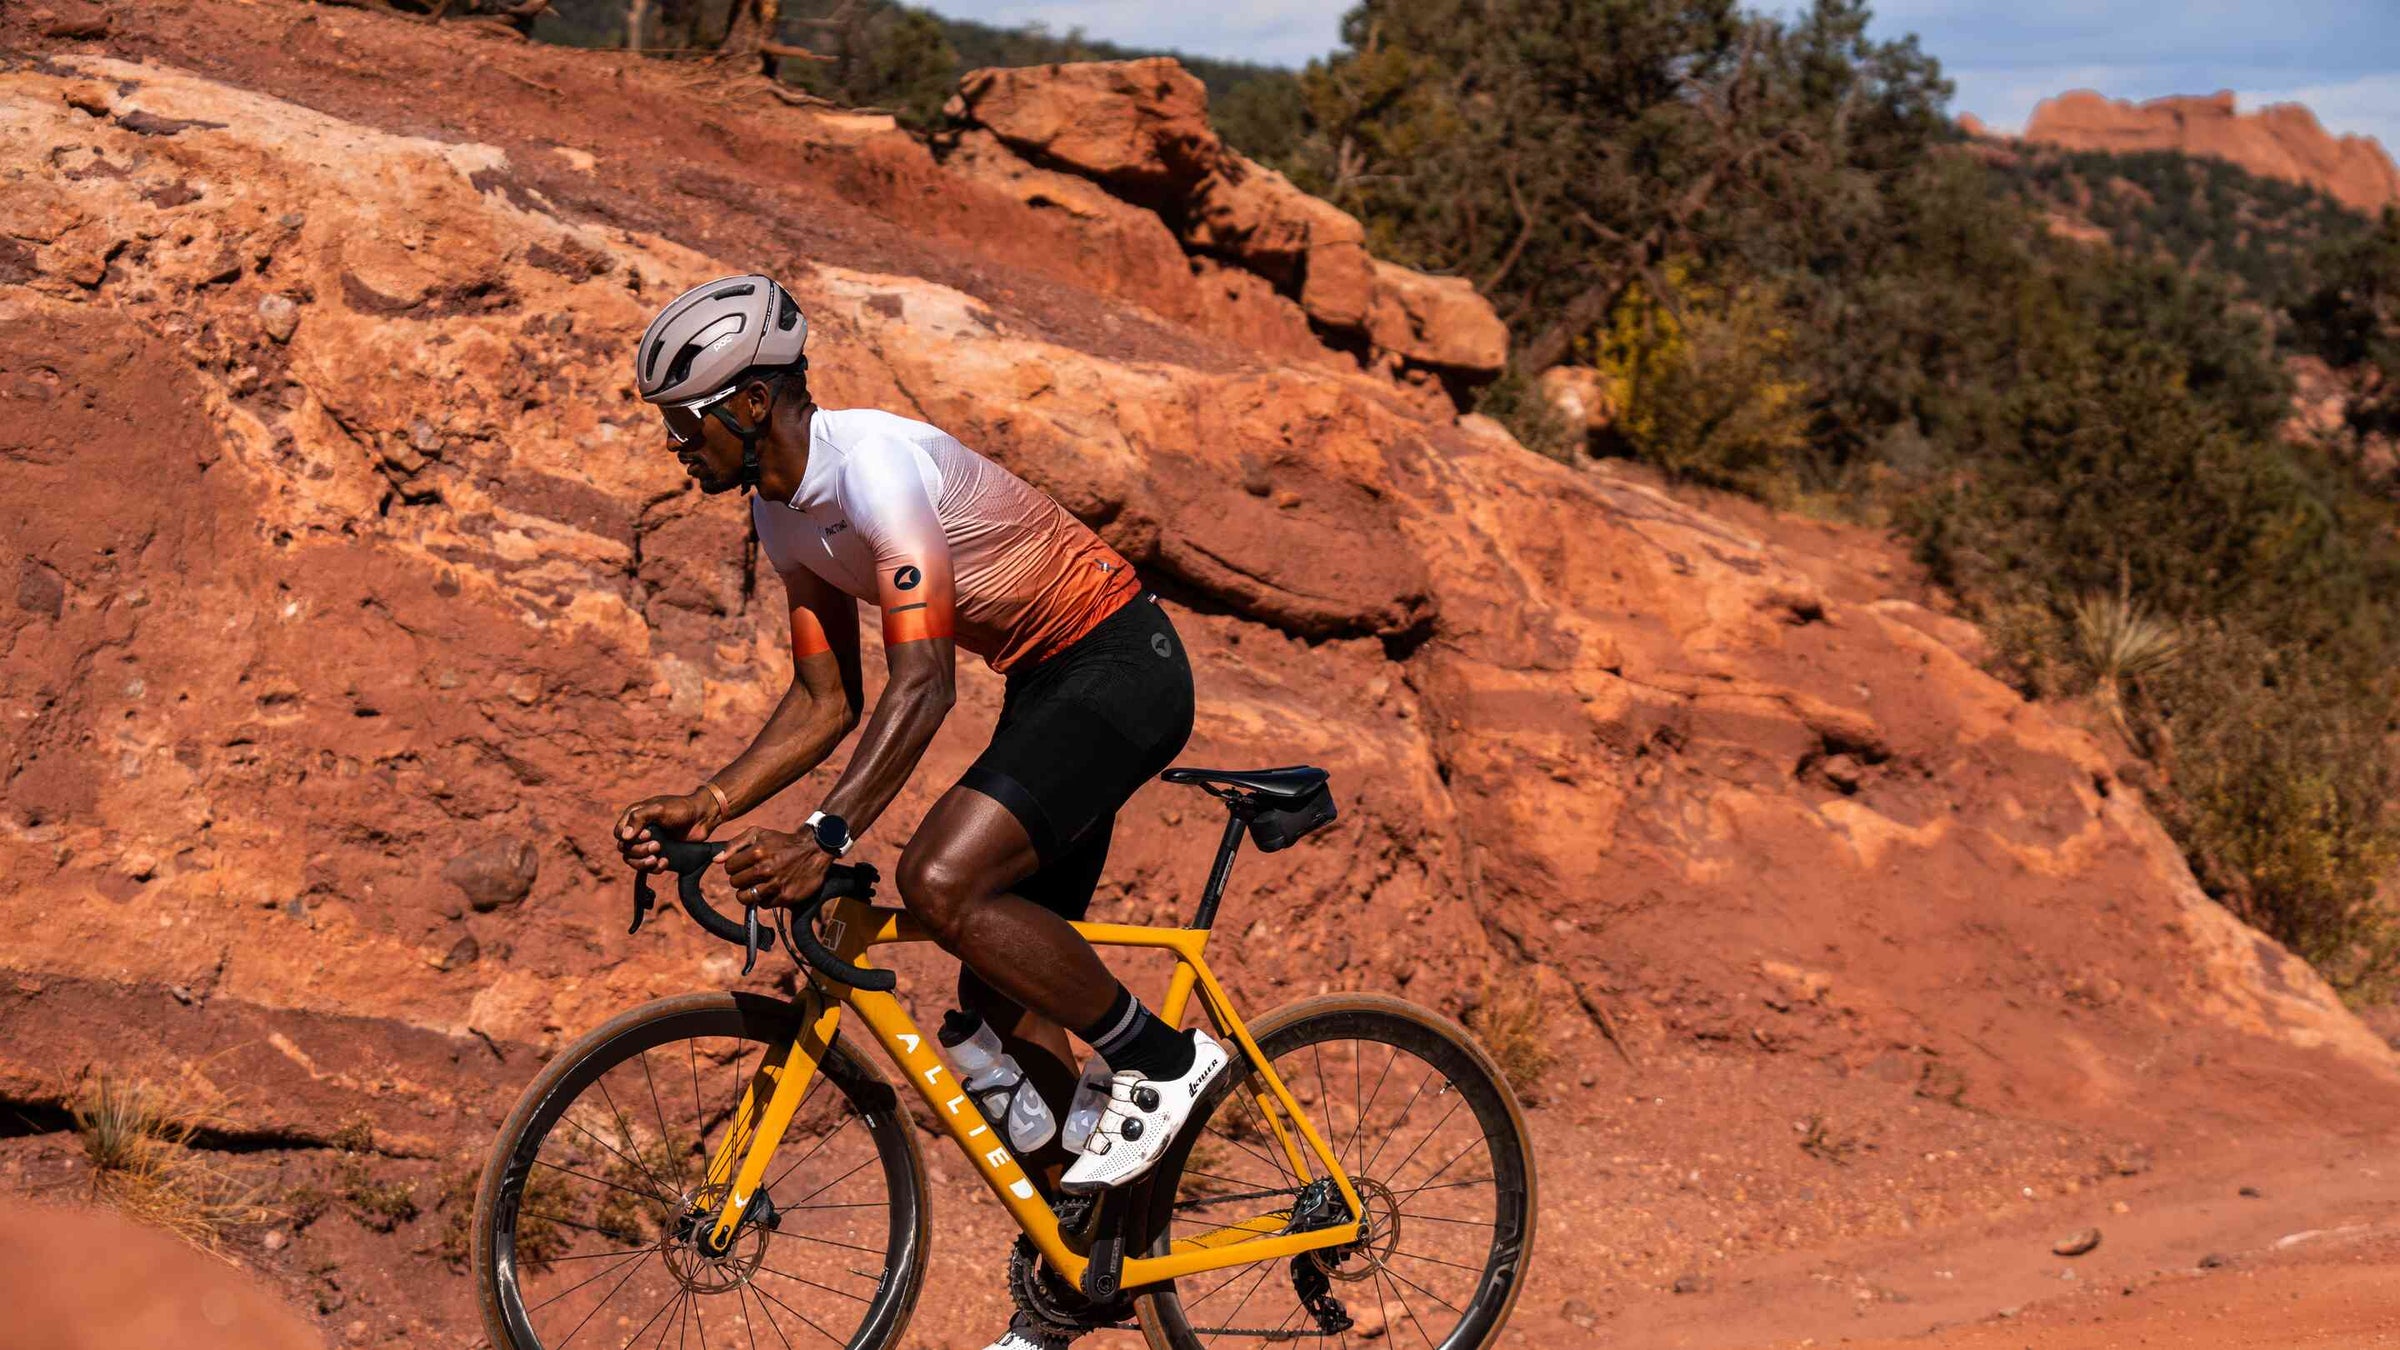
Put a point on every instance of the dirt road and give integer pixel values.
(2267, 1243)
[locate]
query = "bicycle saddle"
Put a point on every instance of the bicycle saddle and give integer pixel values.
(1285, 785)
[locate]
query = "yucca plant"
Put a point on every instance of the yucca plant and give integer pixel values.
(2118, 642)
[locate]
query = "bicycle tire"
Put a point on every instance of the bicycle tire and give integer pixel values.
(1443, 1046)
(741, 1019)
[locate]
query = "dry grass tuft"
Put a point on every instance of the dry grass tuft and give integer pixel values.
(1512, 1019)
(137, 1138)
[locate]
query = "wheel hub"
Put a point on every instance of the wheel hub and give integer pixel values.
(1379, 1235)
(697, 1263)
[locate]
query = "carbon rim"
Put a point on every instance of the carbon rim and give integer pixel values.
(593, 1223)
(1433, 1140)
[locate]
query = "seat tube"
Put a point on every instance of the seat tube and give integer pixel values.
(1227, 846)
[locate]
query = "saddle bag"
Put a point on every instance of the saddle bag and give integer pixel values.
(1275, 828)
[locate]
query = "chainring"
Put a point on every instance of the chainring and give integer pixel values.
(1059, 1307)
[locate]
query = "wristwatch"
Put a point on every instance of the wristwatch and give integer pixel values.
(832, 833)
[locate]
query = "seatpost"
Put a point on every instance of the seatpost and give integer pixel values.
(1222, 868)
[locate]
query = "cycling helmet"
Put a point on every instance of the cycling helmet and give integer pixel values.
(706, 337)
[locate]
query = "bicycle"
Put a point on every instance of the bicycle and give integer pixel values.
(1372, 1228)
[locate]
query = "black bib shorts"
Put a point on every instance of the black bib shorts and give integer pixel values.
(1079, 733)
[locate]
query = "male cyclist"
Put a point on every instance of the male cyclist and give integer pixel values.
(857, 504)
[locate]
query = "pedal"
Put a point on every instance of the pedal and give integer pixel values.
(1073, 1211)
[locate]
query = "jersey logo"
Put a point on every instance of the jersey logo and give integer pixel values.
(906, 578)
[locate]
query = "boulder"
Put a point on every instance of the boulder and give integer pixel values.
(496, 874)
(1435, 321)
(1139, 126)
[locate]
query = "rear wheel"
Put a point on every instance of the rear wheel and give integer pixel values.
(1436, 1147)
(592, 1222)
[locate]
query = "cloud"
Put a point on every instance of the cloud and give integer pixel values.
(2367, 106)
(1275, 32)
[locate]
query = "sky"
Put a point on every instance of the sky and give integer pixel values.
(2340, 57)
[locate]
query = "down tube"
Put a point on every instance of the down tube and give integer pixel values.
(913, 1051)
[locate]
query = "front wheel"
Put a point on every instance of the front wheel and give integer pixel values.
(592, 1221)
(1433, 1142)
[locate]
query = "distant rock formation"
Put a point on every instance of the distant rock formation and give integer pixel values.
(2281, 140)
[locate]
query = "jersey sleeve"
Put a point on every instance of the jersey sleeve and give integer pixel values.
(883, 493)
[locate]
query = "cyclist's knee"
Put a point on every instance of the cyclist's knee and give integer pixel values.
(939, 892)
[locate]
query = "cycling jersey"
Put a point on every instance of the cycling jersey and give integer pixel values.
(945, 542)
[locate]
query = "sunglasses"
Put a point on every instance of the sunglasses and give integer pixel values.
(685, 421)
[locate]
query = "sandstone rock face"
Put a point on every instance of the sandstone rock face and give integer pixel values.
(402, 573)
(2282, 140)
(1141, 128)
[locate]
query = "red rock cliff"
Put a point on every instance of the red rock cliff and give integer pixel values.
(352, 596)
(2281, 140)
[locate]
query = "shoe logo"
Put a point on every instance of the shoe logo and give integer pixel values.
(836, 528)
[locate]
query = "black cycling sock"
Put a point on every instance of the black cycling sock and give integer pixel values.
(1128, 1036)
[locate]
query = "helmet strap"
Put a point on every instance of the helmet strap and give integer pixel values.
(749, 437)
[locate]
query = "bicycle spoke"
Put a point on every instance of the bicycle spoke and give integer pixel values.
(1441, 1218)
(565, 1222)
(604, 1298)
(1358, 1131)
(811, 1237)
(1422, 1290)
(812, 1322)
(569, 1119)
(646, 1195)
(666, 1136)
(1402, 1165)
(812, 1152)
(1420, 1256)
(1405, 1113)
(691, 1052)
(635, 1255)
(1447, 1185)
(1265, 1269)
(644, 1168)
(676, 1302)
(858, 1298)
(862, 1165)
(1405, 1308)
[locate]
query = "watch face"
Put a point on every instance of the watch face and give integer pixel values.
(833, 834)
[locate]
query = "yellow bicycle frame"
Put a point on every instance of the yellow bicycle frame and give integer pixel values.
(758, 1124)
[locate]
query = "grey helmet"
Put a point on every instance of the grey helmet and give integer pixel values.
(703, 341)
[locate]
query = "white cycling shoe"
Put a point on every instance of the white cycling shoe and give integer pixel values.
(1142, 1117)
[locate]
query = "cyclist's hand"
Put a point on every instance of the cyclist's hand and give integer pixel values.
(654, 818)
(769, 867)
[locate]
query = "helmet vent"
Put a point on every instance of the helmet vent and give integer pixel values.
(787, 313)
(731, 292)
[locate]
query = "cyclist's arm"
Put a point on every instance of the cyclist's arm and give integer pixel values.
(888, 504)
(819, 709)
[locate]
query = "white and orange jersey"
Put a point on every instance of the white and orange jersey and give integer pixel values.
(945, 542)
